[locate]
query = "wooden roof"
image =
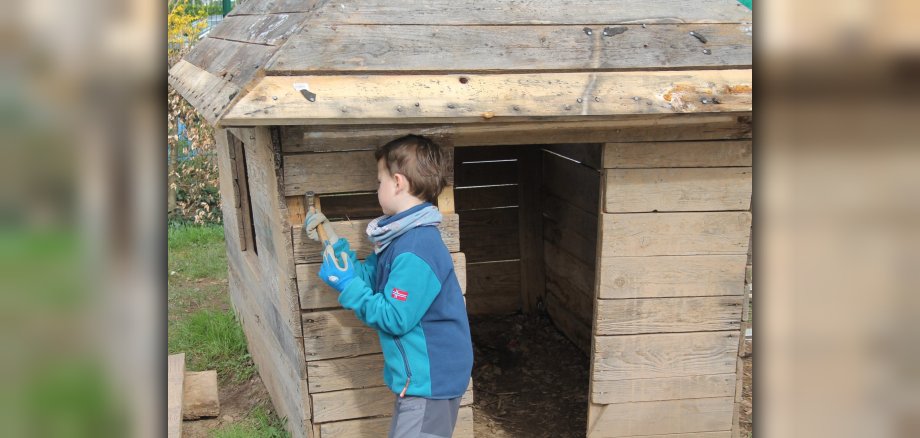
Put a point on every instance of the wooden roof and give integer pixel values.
(459, 61)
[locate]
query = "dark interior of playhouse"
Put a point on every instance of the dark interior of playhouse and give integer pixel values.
(530, 318)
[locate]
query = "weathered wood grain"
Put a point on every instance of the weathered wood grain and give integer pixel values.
(175, 378)
(486, 173)
(331, 334)
(310, 251)
(664, 417)
(330, 173)
(209, 94)
(351, 403)
(571, 281)
(668, 315)
(624, 128)
(336, 48)
(572, 229)
(272, 29)
(345, 373)
(671, 276)
(490, 235)
(573, 182)
(274, 7)
(721, 153)
(666, 388)
(200, 396)
(315, 294)
(391, 99)
(447, 12)
(233, 61)
(687, 189)
(650, 234)
(494, 287)
(568, 323)
(589, 154)
(664, 355)
(478, 198)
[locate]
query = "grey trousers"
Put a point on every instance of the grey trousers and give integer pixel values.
(417, 417)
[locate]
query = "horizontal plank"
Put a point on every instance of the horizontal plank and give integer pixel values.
(274, 7)
(392, 99)
(457, 12)
(664, 355)
(345, 373)
(589, 154)
(671, 276)
(378, 427)
(494, 287)
(233, 61)
(625, 128)
(310, 251)
(572, 241)
(568, 323)
(650, 234)
(668, 315)
(667, 388)
(721, 153)
(485, 173)
(664, 417)
(273, 29)
(687, 189)
(573, 182)
(330, 173)
(490, 235)
(571, 281)
(566, 222)
(352, 403)
(208, 93)
(486, 153)
(330, 334)
(316, 294)
(486, 197)
(337, 48)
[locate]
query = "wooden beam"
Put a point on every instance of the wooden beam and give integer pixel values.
(670, 276)
(664, 417)
(622, 128)
(665, 388)
(209, 94)
(723, 153)
(337, 333)
(494, 287)
(687, 189)
(392, 99)
(423, 48)
(603, 12)
(233, 61)
(269, 29)
(175, 372)
(664, 355)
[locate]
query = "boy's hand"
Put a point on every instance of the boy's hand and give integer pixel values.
(336, 271)
(313, 220)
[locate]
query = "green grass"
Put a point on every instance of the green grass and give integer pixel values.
(261, 422)
(212, 340)
(197, 252)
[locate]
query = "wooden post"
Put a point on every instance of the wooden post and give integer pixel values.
(530, 220)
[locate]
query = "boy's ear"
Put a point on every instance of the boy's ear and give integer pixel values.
(401, 182)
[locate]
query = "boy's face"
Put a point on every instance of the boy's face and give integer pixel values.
(386, 189)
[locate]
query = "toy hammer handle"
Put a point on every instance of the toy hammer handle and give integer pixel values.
(313, 202)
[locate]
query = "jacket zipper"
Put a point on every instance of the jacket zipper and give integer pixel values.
(406, 362)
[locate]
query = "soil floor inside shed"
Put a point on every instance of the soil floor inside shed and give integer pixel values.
(528, 379)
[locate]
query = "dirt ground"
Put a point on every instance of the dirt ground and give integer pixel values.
(747, 395)
(528, 380)
(236, 401)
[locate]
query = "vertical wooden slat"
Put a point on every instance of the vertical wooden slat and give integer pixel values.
(530, 220)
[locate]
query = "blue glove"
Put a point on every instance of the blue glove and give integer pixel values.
(336, 271)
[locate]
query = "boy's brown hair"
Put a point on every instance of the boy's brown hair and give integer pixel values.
(420, 160)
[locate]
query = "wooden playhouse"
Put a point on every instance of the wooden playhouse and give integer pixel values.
(602, 174)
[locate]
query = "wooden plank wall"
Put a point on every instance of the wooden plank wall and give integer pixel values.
(674, 235)
(486, 196)
(570, 191)
(343, 359)
(262, 284)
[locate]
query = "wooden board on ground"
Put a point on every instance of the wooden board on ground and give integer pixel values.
(175, 372)
(671, 276)
(665, 388)
(651, 234)
(337, 333)
(721, 153)
(664, 417)
(310, 251)
(668, 315)
(673, 189)
(664, 355)
(200, 397)
(494, 287)
(315, 294)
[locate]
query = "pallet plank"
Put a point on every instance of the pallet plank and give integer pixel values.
(477, 198)
(494, 287)
(175, 371)
(337, 333)
(668, 315)
(687, 189)
(652, 234)
(664, 417)
(671, 276)
(664, 355)
(324, 173)
(570, 181)
(666, 388)
(490, 235)
(725, 153)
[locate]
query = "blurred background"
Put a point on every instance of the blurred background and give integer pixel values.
(84, 179)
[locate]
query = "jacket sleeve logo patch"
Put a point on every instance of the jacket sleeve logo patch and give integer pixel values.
(400, 295)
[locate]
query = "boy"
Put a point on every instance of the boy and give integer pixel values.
(408, 291)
